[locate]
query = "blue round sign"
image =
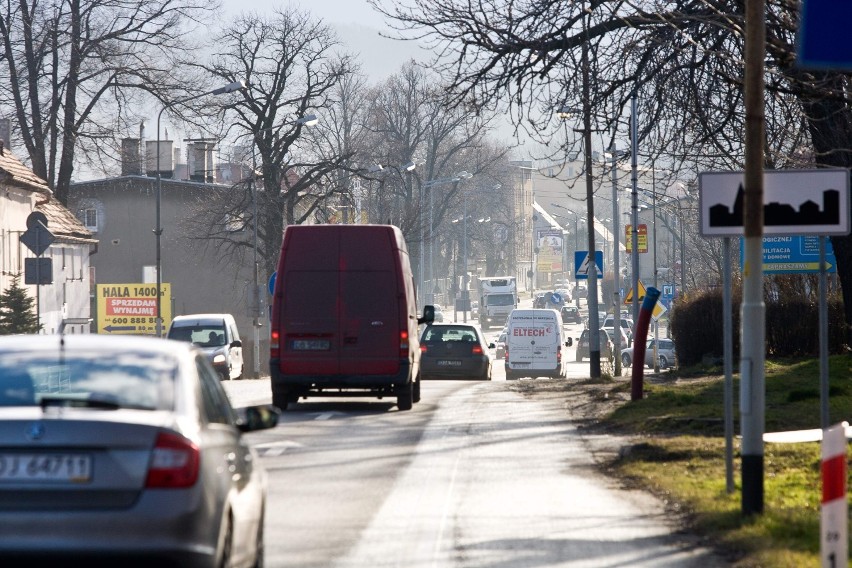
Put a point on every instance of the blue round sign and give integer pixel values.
(272, 283)
(556, 298)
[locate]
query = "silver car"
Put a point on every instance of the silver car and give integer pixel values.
(665, 353)
(124, 450)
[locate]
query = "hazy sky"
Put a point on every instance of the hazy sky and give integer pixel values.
(357, 25)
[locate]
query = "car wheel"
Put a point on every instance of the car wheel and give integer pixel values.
(227, 545)
(625, 360)
(663, 362)
(415, 394)
(405, 397)
(280, 398)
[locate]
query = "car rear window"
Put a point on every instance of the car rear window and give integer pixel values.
(117, 380)
(449, 333)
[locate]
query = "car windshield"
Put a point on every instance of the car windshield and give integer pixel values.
(201, 335)
(95, 379)
(449, 333)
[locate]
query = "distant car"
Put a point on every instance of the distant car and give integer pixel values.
(217, 336)
(539, 301)
(120, 448)
(571, 314)
(474, 310)
(605, 345)
(665, 353)
(580, 291)
(500, 350)
(454, 351)
(626, 325)
(610, 331)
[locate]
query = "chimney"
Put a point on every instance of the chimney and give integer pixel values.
(166, 163)
(131, 164)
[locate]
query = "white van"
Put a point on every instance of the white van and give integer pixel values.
(534, 344)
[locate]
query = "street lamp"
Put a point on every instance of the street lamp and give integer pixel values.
(430, 184)
(158, 230)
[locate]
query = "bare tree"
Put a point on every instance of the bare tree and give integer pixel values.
(74, 72)
(683, 60)
(291, 65)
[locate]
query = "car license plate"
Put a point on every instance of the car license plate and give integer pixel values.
(520, 364)
(311, 344)
(449, 363)
(74, 468)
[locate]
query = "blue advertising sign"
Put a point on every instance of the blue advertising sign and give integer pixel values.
(793, 255)
(582, 264)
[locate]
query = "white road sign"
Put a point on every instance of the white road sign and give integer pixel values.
(795, 202)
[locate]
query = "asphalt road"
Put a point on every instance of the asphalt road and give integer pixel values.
(475, 475)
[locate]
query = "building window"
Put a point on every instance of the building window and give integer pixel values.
(90, 219)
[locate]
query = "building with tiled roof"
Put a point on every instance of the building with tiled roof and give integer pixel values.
(65, 302)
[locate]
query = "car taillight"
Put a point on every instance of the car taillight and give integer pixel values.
(559, 354)
(423, 348)
(506, 353)
(274, 348)
(174, 462)
(403, 344)
(476, 350)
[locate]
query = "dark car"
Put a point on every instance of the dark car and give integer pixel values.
(539, 301)
(604, 342)
(570, 314)
(454, 351)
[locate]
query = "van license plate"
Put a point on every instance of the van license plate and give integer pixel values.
(445, 363)
(311, 345)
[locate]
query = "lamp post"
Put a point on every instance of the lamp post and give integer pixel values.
(158, 230)
(307, 120)
(430, 185)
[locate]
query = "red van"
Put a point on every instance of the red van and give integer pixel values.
(344, 315)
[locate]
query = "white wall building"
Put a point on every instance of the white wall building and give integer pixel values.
(67, 298)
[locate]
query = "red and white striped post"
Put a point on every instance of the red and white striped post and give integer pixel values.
(834, 518)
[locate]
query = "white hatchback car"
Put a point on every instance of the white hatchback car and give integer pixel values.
(217, 336)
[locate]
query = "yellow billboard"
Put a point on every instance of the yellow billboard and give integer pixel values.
(131, 309)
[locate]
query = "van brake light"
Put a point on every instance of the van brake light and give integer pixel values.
(274, 346)
(403, 344)
(559, 354)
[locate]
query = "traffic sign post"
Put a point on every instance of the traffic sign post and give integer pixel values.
(795, 202)
(582, 264)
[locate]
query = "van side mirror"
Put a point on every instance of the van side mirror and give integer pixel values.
(428, 315)
(569, 343)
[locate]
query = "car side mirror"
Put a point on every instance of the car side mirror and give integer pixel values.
(428, 314)
(492, 346)
(236, 343)
(569, 343)
(258, 417)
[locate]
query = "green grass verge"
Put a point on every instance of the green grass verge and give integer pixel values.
(683, 458)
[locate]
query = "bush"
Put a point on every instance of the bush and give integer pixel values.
(792, 326)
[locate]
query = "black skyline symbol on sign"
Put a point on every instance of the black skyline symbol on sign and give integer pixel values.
(775, 214)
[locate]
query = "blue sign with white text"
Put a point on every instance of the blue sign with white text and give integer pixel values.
(793, 255)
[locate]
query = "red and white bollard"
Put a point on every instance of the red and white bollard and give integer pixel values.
(834, 518)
